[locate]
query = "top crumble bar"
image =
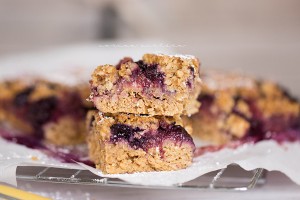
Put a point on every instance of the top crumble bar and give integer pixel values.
(156, 85)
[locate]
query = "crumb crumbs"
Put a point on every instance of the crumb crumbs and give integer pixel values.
(34, 158)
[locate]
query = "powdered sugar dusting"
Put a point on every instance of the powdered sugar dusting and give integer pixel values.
(182, 56)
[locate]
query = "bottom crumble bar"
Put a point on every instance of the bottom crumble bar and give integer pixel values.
(127, 143)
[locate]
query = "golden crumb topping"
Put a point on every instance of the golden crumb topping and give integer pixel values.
(236, 126)
(10, 88)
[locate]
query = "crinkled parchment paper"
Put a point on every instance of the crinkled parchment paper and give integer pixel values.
(266, 154)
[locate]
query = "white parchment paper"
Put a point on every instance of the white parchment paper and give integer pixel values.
(266, 154)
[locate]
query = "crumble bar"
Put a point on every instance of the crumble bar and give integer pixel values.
(128, 143)
(46, 110)
(156, 85)
(237, 107)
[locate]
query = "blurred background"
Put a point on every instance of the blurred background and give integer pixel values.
(260, 37)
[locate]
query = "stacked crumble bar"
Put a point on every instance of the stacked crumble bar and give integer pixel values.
(46, 110)
(138, 126)
(235, 107)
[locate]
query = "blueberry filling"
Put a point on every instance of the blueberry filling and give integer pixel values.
(149, 139)
(147, 76)
(278, 127)
(22, 98)
(174, 132)
(40, 112)
(191, 78)
(206, 103)
(123, 131)
(71, 105)
(150, 71)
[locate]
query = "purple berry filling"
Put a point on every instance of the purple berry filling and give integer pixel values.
(150, 71)
(72, 105)
(40, 112)
(124, 132)
(146, 76)
(152, 138)
(191, 78)
(206, 102)
(278, 127)
(22, 98)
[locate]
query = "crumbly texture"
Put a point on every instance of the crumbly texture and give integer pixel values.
(66, 131)
(156, 85)
(11, 121)
(120, 157)
(10, 88)
(25, 106)
(231, 102)
(40, 89)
